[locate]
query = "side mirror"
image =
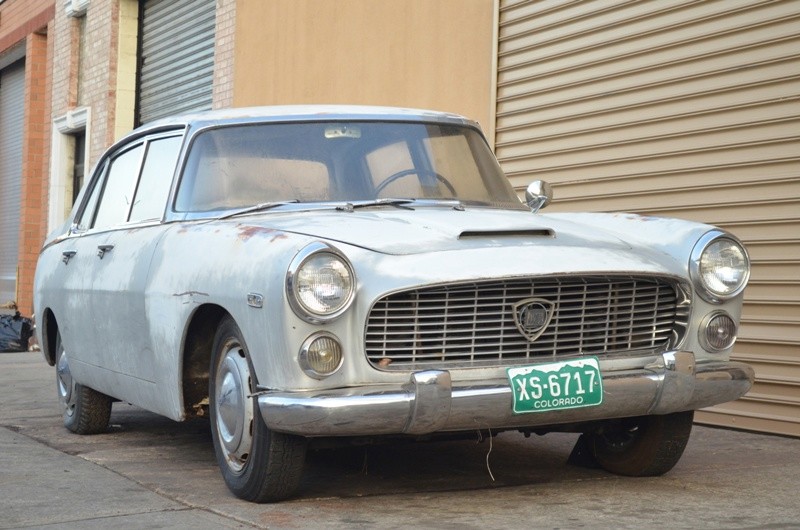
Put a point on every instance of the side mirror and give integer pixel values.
(538, 195)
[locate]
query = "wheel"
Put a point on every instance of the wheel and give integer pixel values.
(406, 172)
(86, 411)
(642, 447)
(257, 464)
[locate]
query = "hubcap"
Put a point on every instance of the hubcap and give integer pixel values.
(64, 382)
(234, 409)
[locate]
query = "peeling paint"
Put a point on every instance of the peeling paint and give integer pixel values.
(190, 293)
(189, 296)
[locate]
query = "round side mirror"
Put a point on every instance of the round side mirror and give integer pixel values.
(538, 195)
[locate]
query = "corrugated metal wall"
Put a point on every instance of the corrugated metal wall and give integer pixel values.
(177, 57)
(684, 108)
(12, 116)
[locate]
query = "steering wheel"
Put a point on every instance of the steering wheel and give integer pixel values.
(414, 171)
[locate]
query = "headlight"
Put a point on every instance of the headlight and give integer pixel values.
(720, 266)
(718, 332)
(320, 283)
(321, 355)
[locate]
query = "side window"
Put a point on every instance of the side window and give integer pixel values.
(118, 189)
(155, 180)
(87, 215)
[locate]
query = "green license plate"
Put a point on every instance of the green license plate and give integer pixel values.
(556, 386)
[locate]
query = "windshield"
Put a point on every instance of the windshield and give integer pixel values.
(244, 165)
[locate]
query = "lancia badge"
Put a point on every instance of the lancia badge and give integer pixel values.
(532, 316)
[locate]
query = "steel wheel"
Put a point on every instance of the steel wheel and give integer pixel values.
(86, 411)
(234, 410)
(641, 447)
(64, 383)
(257, 464)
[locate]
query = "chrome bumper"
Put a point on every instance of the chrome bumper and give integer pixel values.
(431, 402)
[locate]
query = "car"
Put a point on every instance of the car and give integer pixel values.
(300, 274)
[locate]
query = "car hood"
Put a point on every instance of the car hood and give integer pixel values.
(425, 230)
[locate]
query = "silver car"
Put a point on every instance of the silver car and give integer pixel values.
(298, 273)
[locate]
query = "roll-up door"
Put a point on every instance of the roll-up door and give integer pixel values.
(679, 108)
(12, 119)
(176, 56)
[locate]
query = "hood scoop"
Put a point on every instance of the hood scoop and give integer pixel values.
(493, 234)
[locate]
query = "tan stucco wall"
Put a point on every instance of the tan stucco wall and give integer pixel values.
(434, 54)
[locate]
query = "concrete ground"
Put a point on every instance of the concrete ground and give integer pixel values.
(150, 472)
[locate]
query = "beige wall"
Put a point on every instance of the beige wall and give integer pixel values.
(415, 53)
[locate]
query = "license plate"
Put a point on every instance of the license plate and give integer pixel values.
(556, 386)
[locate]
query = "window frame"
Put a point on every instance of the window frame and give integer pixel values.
(100, 178)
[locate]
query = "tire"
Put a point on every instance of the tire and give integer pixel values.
(642, 447)
(258, 465)
(85, 411)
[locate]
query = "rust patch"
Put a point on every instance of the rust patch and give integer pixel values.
(246, 232)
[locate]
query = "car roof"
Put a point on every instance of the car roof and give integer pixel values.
(302, 113)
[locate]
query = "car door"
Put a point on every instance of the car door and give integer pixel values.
(70, 261)
(121, 235)
(131, 210)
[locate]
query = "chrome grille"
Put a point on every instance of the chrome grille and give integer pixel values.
(474, 324)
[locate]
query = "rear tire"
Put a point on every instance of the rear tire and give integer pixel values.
(641, 447)
(86, 411)
(258, 465)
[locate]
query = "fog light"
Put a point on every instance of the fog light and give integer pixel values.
(321, 355)
(718, 332)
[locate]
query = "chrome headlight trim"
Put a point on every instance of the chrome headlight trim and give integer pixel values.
(293, 285)
(706, 291)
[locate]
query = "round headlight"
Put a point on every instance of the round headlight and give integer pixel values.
(718, 332)
(720, 266)
(321, 355)
(320, 283)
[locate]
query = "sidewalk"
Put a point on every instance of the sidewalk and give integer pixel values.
(154, 473)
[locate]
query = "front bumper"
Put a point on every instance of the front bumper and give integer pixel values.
(431, 402)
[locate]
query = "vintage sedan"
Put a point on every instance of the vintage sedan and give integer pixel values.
(352, 273)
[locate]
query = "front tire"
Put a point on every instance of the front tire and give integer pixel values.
(85, 410)
(648, 446)
(258, 465)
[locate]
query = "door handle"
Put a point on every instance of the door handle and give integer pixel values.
(67, 255)
(102, 249)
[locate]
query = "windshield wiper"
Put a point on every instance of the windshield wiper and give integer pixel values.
(397, 203)
(260, 207)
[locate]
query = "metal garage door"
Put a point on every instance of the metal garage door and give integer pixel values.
(12, 114)
(176, 57)
(681, 108)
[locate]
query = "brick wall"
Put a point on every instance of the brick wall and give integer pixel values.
(87, 78)
(35, 158)
(65, 38)
(19, 18)
(222, 95)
